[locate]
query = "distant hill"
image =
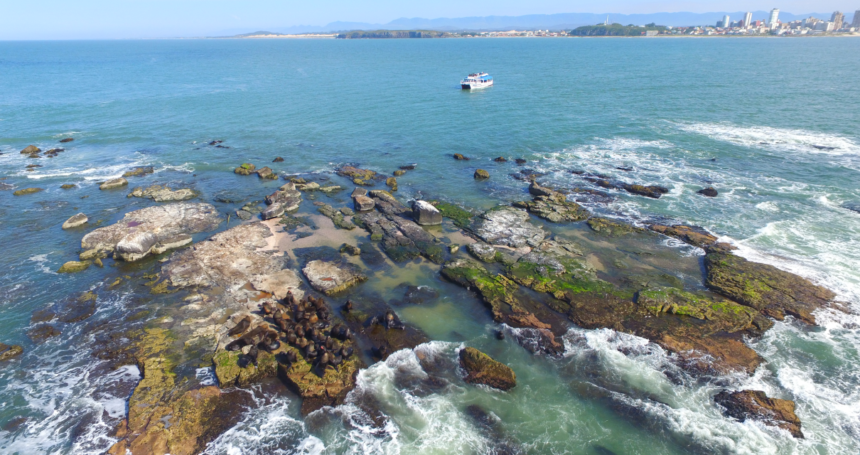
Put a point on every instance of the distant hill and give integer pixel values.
(615, 30)
(565, 21)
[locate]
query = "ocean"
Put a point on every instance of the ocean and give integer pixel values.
(772, 124)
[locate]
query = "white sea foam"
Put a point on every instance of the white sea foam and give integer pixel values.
(41, 260)
(775, 139)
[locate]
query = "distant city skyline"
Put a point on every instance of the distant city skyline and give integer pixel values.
(108, 19)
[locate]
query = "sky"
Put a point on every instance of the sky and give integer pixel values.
(112, 19)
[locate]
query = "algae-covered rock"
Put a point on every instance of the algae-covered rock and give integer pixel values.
(481, 174)
(77, 220)
(363, 203)
(266, 173)
(245, 169)
(113, 184)
(482, 251)
(461, 217)
(233, 370)
(392, 183)
(73, 267)
(482, 369)
(30, 150)
(402, 239)
(508, 226)
(363, 177)
(26, 191)
(331, 278)
(337, 217)
(318, 389)
(652, 191)
(611, 228)
(756, 405)
(159, 193)
(721, 314)
(7, 352)
(139, 171)
(67, 186)
(764, 287)
(40, 333)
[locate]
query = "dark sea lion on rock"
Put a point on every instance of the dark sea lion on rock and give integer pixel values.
(240, 327)
(268, 307)
(291, 338)
(252, 354)
(236, 345)
(292, 357)
(381, 352)
(347, 307)
(347, 352)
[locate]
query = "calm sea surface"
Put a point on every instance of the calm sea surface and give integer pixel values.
(771, 123)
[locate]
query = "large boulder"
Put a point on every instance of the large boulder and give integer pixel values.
(77, 220)
(286, 199)
(508, 226)
(160, 193)
(764, 287)
(426, 214)
(481, 174)
(482, 369)
(31, 150)
(113, 184)
(363, 203)
(331, 278)
(132, 237)
(267, 173)
(245, 169)
(756, 405)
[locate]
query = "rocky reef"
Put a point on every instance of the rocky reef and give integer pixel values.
(482, 369)
(754, 404)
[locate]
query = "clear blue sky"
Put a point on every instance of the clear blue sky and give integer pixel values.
(83, 19)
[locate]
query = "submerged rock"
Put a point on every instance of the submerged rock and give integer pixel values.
(41, 333)
(460, 157)
(68, 139)
(26, 191)
(113, 184)
(482, 251)
(358, 176)
(7, 352)
(482, 369)
(459, 216)
(426, 214)
(508, 226)
(611, 228)
(652, 191)
(401, 239)
(756, 405)
(709, 192)
(392, 183)
(337, 217)
(330, 278)
(139, 171)
(134, 236)
(160, 193)
(77, 220)
(764, 287)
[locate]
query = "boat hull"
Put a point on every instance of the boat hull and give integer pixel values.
(475, 86)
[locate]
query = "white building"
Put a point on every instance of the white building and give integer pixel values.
(727, 21)
(773, 21)
(748, 20)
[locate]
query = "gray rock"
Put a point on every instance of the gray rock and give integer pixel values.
(312, 186)
(160, 193)
(78, 220)
(244, 215)
(363, 203)
(171, 243)
(284, 200)
(273, 211)
(359, 192)
(330, 278)
(508, 226)
(113, 183)
(537, 190)
(425, 214)
(133, 236)
(482, 251)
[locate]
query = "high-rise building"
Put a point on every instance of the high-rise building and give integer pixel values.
(773, 21)
(747, 19)
(856, 22)
(727, 21)
(837, 18)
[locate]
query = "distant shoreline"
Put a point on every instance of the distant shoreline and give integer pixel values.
(334, 36)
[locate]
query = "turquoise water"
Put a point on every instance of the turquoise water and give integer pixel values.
(771, 123)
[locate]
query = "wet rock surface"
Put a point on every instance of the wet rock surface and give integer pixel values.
(553, 206)
(693, 235)
(8, 352)
(75, 221)
(756, 405)
(482, 369)
(426, 214)
(134, 236)
(113, 184)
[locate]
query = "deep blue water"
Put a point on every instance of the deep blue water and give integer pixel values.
(771, 123)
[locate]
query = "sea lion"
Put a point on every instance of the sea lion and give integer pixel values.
(236, 345)
(291, 338)
(268, 307)
(347, 352)
(292, 357)
(392, 321)
(347, 307)
(252, 355)
(282, 324)
(313, 318)
(240, 327)
(336, 345)
(302, 343)
(270, 342)
(310, 351)
(336, 360)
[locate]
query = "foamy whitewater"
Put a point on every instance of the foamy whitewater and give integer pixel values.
(780, 146)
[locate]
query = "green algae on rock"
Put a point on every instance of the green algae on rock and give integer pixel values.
(689, 234)
(461, 217)
(245, 169)
(764, 287)
(138, 171)
(482, 369)
(612, 228)
(7, 352)
(74, 267)
(26, 191)
(337, 217)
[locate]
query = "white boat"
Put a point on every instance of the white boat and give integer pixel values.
(476, 81)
